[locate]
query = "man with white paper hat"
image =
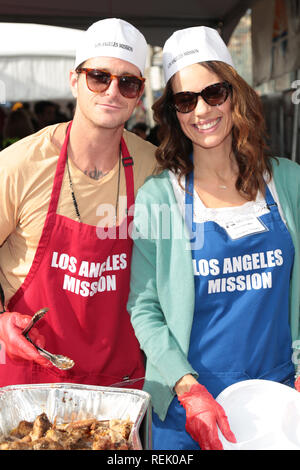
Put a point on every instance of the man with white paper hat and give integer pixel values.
(67, 196)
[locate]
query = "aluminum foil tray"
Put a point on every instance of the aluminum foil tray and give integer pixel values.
(67, 402)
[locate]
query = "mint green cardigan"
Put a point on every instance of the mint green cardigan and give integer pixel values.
(161, 300)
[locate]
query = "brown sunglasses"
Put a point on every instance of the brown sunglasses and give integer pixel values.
(99, 80)
(213, 95)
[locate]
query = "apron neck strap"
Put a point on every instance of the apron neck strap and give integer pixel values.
(127, 162)
(269, 199)
(59, 173)
(189, 201)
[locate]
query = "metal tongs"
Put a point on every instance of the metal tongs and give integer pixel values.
(59, 361)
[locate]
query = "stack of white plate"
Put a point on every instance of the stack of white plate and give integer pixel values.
(262, 414)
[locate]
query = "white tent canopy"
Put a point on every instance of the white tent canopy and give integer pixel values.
(156, 19)
(35, 61)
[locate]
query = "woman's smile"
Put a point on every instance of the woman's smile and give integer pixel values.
(209, 125)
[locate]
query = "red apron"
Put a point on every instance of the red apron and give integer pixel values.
(84, 281)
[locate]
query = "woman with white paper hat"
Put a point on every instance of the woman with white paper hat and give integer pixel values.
(215, 282)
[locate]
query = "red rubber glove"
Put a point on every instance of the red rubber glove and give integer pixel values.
(16, 345)
(203, 414)
(297, 384)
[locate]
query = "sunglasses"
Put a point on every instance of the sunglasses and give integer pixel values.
(99, 80)
(214, 95)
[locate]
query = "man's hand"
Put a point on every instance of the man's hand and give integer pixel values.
(203, 417)
(16, 345)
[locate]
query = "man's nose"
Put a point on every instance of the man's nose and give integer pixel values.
(113, 87)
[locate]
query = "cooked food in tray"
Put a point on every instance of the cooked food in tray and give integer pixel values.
(88, 434)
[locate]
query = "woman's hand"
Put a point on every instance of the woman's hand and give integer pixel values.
(203, 416)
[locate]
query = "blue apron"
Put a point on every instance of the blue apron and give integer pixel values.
(241, 327)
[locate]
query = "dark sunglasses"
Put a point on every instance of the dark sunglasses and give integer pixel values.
(214, 95)
(99, 80)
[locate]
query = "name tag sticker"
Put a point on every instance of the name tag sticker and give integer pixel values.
(243, 226)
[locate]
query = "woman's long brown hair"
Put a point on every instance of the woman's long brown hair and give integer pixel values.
(248, 133)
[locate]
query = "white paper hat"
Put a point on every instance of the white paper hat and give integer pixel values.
(113, 37)
(192, 45)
